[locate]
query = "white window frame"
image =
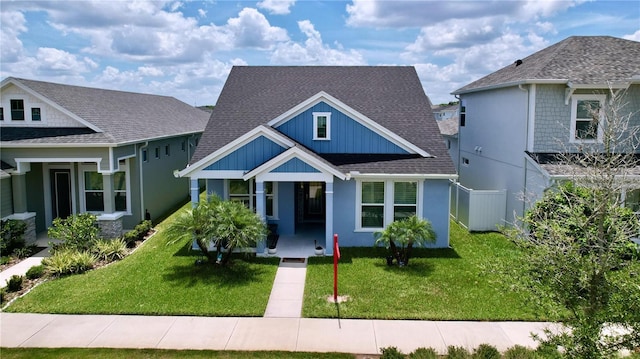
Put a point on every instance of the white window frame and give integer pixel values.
(575, 99)
(252, 196)
(93, 168)
(124, 167)
(83, 188)
(389, 203)
(316, 115)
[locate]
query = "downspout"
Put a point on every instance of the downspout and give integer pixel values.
(524, 201)
(141, 177)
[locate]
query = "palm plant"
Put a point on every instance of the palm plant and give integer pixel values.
(401, 236)
(196, 224)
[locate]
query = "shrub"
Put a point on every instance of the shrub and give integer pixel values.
(486, 351)
(142, 229)
(520, 352)
(110, 249)
(11, 235)
(5, 260)
(14, 283)
(424, 353)
(23, 252)
(35, 272)
(3, 293)
(457, 352)
(68, 261)
(77, 232)
(391, 353)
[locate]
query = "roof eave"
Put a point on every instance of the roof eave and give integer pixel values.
(512, 84)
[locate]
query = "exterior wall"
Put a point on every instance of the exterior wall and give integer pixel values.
(248, 156)
(57, 154)
(435, 208)
(51, 117)
(536, 185)
(286, 208)
(295, 165)
(6, 197)
(347, 135)
(493, 141)
(35, 195)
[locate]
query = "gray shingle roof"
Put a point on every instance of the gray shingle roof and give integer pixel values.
(449, 127)
(577, 59)
(121, 116)
(392, 96)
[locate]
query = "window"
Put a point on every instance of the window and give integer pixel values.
(465, 161)
(322, 125)
(586, 116)
(463, 116)
(35, 114)
(245, 192)
(183, 146)
(157, 152)
(17, 110)
(93, 192)
(1, 114)
(144, 155)
(167, 150)
(631, 199)
(120, 191)
(382, 202)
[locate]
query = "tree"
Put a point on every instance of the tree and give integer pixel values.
(575, 238)
(225, 224)
(401, 236)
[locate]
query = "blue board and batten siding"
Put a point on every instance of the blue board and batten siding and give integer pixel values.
(347, 135)
(249, 156)
(295, 165)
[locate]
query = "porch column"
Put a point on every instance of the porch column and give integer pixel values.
(260, 210)
(328, 231)
(195, 191)
(108, 198)
(19, 192)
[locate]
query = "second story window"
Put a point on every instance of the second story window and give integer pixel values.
(322, 125)
(1, 114)
(35, 114)
(586, 118)
(17, 110)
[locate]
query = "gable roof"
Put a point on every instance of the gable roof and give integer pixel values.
(390, 96)
(577, 60)
(112, 117)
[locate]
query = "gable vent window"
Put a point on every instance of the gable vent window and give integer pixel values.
(322, 125)
(17, 110)
(35, 114)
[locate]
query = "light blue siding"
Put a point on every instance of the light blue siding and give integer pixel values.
(347, 135)
(295, 165)
(435, 208)
(286, 208)
(248, 156)
(215, 186)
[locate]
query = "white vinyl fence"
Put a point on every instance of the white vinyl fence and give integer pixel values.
(478, 210)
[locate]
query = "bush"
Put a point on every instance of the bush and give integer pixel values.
(520, 352)
(24, 252)
(78, 232)
(424, 353)
(5, 260)
(486, 351)
(391, 353)
(14, 283)
(35, 272)
(110, 249)
(457, 352)
(3, 293)
(11, 235)
(68, 261)
(137, 233)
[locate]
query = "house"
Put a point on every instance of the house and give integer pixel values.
(449, 130)
(444, 112)
(514, 122)
(70, 149)
(348, 149)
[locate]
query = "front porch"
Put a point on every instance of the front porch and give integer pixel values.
(302, 243)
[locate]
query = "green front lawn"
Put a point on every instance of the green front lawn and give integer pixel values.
(159, 279)
(439, 284)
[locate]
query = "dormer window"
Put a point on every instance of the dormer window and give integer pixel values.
(322, 125)
(17, 110)
(35, 114)
(586, 118)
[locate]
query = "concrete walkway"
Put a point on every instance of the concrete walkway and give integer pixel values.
(288, 334)
(22, 267)
(287, 292)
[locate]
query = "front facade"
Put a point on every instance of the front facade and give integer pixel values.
(345, 149)
(515, 120)
(69, 149)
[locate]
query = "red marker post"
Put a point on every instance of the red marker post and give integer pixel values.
(336, 256)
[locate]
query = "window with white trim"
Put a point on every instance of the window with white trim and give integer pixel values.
(120, 191)
(17, 110)
(322, 125)
(245, 192)
(586, 118)
(381, 202)
(93, 189)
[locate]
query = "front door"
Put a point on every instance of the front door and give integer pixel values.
(311, 202)
(60, 192)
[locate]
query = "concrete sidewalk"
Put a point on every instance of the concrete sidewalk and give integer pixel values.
(287, 334)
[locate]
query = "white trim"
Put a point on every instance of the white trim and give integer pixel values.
(217, 174)
(252, 195)
(25, 163)
(403, 176)
(574, 112)
(294, 152)
(389, 203)
(327, 115)
(46, 184)
(295, 177)
(353, 114)
(234, 145)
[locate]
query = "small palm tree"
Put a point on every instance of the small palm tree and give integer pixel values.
(196, 223)
(401, 236)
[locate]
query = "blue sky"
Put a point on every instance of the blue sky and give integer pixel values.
(185, 49)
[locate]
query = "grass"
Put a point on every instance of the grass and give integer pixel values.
(439, 284)
(100, 353)
(159, 279)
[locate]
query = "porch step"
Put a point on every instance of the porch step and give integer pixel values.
(287, 292)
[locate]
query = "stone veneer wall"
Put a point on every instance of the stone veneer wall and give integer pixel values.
(30, 231)
(110, 228)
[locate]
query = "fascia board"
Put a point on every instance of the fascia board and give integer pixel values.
(355, 115)
(291, 153)
(416, 176)
(50, 103)
(234, 145)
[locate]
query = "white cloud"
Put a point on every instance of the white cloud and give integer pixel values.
(635, 36)
(314, 51)
(278, 7)
(252, 29)
(54, 61)
(13, 24)
(455, 33)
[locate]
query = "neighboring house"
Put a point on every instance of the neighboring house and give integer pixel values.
(350, 149)
(444, 112)
(70, 149)
(449, 131)
(514, 120)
